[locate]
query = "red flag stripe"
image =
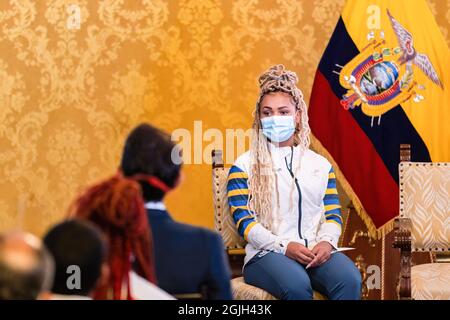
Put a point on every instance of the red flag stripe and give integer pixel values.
(354, 153)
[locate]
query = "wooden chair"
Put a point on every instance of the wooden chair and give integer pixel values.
(424, 225)
(233, 242)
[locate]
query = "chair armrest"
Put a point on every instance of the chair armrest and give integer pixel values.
(236, 258)
(402, 241)
(236, 251)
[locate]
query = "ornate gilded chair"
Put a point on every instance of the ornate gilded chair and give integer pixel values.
(233, 242)
(424, 225)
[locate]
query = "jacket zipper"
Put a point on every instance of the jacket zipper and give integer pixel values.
(299, 196)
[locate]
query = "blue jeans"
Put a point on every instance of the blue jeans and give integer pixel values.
(286, 279)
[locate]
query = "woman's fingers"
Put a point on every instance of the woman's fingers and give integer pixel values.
(313, 263)
(321, 257)
(324, 258)
(307, 253)
(303, 258)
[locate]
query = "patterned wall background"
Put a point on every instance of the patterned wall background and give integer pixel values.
(71, 90)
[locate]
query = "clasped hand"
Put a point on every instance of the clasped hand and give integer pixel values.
(310, 258)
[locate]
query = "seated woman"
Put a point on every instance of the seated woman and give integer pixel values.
(116, 207)
(285, 204)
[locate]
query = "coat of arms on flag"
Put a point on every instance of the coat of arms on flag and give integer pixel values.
(381, 82)
(374, 78)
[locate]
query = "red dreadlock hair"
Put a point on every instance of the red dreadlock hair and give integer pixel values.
(116, 206)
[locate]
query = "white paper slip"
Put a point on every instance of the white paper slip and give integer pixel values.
(342, 249)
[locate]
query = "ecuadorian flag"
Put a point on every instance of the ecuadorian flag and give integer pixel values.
(383, 81)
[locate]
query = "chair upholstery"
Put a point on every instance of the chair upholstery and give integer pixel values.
(223, 220)
(224, 224)
(424, 225)
(430, 281)
(425, 199)
(244, 291)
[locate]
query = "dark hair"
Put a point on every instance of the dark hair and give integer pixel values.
(80, 243)
(19, 281)
(148, 150)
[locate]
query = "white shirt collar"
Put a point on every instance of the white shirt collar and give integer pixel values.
(279, 154)
(155, 205)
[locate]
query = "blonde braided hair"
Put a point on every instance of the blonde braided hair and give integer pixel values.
(263, 179)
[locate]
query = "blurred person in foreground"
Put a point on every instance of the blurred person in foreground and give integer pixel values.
(79, 252)
(116, 207)
(26, 267)
(188, 259)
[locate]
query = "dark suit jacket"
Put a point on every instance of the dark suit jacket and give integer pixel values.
(188, 257)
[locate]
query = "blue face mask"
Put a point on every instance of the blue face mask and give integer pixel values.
(278, 128)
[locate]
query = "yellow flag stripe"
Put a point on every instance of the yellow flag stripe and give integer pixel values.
(430, 116)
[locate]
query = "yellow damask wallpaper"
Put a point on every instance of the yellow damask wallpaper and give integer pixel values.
(77, 75)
